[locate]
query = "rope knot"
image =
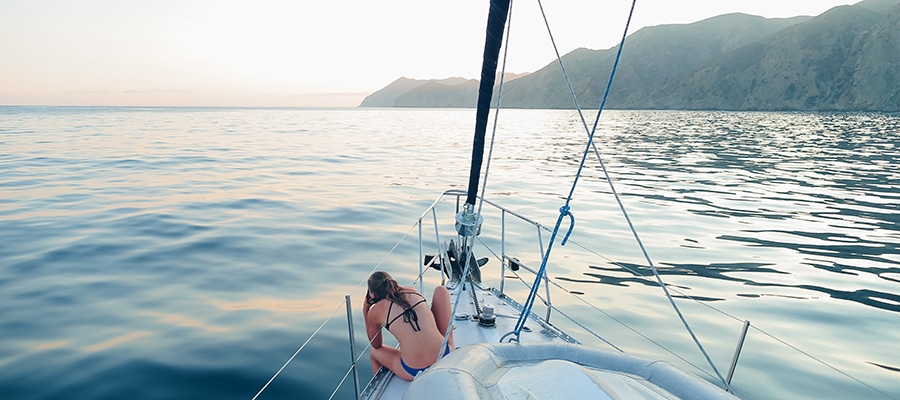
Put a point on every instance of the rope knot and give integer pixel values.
(564, 211)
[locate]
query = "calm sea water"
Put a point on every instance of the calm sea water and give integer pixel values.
(160, 253)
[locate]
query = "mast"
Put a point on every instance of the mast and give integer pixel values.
(495, 26)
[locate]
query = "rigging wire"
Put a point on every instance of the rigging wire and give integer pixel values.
(487, 167)
(628, 219)
(468, 241)
(709, 306)
(297, 352)
(565, 209)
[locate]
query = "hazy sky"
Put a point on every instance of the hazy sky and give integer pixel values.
(297, 52)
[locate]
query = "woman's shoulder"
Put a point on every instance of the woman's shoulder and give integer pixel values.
(377, 310)
(407, 290)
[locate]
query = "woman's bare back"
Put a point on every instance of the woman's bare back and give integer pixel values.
(420, 340)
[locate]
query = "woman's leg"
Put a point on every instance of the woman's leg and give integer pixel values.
(390, 358)
(440, 307)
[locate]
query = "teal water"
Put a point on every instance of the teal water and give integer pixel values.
(158, 253)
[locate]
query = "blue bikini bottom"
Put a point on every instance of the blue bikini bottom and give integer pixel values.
(416, 371)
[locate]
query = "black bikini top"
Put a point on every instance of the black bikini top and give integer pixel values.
(409, 315)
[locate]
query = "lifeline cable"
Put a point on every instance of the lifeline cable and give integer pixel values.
(291, 358)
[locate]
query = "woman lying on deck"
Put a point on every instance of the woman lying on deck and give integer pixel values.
(404, 312)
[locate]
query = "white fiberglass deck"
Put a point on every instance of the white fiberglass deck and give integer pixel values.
(545, 364)
(467, 332)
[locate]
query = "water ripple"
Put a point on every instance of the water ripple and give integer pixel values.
(187, 252)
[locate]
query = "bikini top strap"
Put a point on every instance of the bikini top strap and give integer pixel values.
(387, 324)
(409, 315)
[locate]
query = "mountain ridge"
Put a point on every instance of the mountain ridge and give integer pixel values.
(845, 59)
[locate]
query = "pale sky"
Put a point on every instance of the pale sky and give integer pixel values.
(297, 52)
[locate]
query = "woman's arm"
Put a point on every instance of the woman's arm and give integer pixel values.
(373, 328)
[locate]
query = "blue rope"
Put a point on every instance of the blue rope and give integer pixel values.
(564, 211)
(634, 232)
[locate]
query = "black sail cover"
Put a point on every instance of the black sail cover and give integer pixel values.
(492, 43)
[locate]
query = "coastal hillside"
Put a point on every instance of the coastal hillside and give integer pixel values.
(388, 97)
(846, 59)
(433, 93)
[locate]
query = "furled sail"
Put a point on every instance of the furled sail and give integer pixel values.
(496, 24)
